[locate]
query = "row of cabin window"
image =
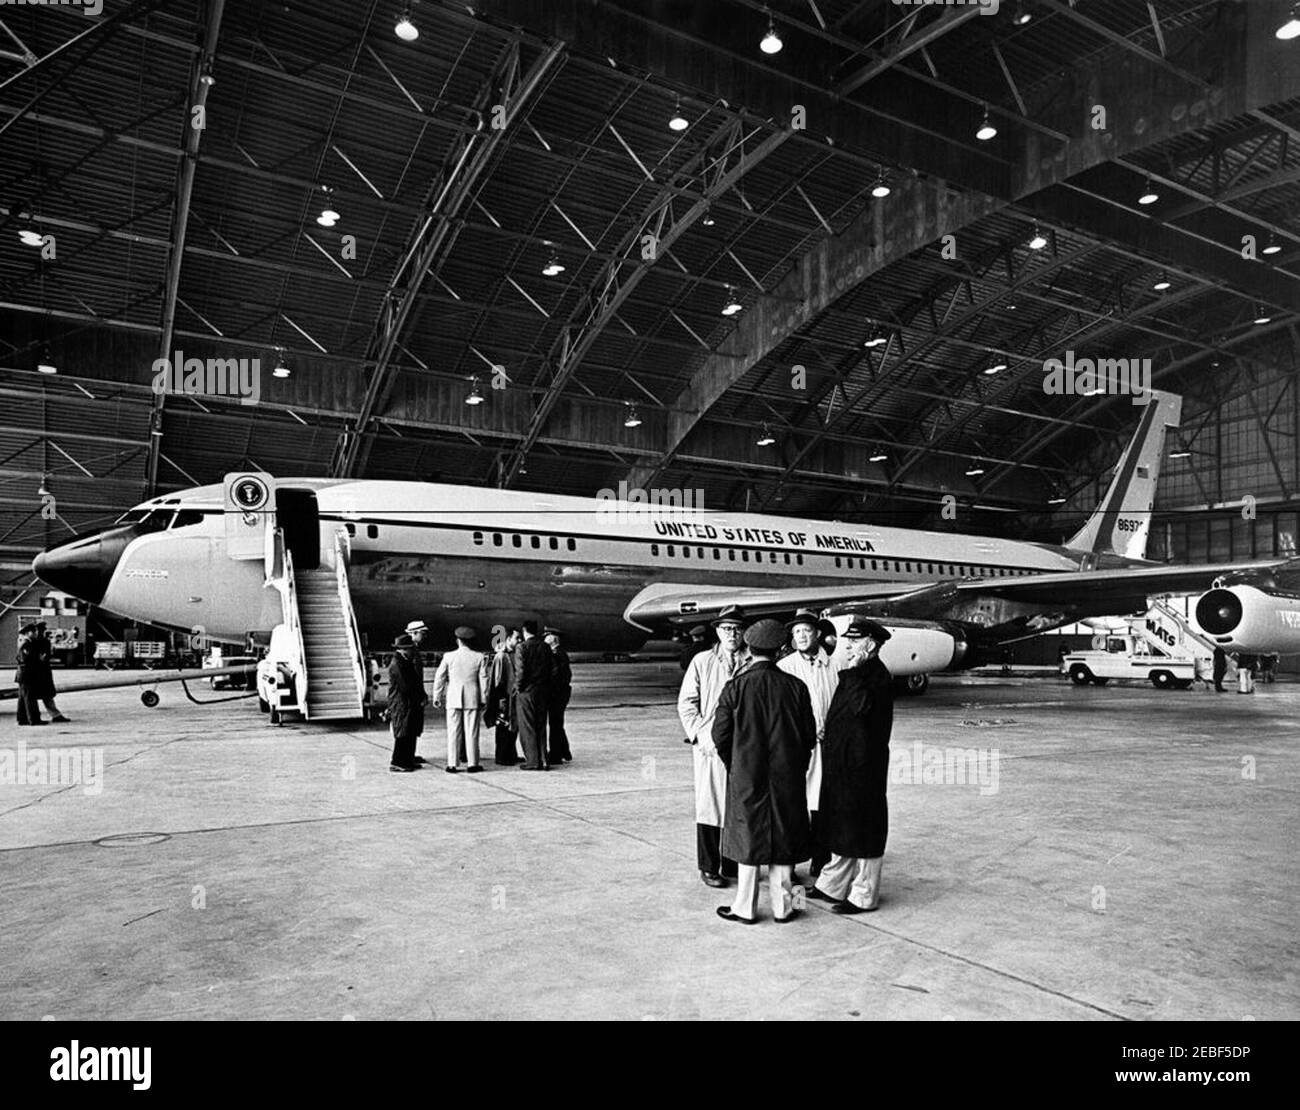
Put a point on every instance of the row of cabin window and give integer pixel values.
(372, 530)
(535, 542)
(953, 569)
(773, 556)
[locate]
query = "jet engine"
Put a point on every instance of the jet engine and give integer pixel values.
(1245, 618)
(913, 647)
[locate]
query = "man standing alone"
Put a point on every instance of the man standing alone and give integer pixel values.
(561, 690)
(706, 675)
(533, 668)
(405, 704)
(462, 679)
(855, 754)
(813, 667)
(765, 733)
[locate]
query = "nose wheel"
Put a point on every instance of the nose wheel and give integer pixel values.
(150, 698)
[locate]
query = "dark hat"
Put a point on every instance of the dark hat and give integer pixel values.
(860, 628)
(530, 627)
(550, 631)
(464, 632)
(826, 628)
(700, 630)
(804, 616)
(729, 613)
(765, 635)
(403, 641)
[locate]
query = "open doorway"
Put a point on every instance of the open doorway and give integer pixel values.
(298, 517)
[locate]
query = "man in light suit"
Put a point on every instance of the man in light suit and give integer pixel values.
(463, 679)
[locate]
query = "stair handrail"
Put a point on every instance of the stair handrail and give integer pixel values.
(1183, 624)
(285, 584)
(342, 552)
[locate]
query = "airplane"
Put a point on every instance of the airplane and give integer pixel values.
(615, 574)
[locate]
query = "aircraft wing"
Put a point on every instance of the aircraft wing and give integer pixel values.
(1082, 593)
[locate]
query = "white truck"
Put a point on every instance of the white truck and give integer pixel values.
(1159, 646)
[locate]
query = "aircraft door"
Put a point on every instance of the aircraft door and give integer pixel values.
(249, 511)
(299, 519)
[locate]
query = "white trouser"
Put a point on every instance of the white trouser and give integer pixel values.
(463, 723)
(745, 903)
(853, 878)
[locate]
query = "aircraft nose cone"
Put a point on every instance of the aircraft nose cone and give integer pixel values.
(83, 567)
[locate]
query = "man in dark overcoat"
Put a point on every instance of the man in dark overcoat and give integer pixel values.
(534, 666)
(765, 731)
(558, 695)
(855, 773)
(28, 676)
(406, 699)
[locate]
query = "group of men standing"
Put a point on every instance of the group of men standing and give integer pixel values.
(520, 691)
(791, 761)
(35, 676)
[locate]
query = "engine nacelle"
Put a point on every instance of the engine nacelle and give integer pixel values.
(913, 647)
(1243, 618)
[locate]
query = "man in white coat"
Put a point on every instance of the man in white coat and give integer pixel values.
(810, 663)
(462, 680)
(706, 675)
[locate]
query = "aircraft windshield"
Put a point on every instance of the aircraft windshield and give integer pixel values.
(148, 520)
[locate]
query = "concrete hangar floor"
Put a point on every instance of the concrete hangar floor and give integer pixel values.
(1135, 858)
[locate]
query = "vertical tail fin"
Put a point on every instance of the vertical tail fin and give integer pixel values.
(1122, 521)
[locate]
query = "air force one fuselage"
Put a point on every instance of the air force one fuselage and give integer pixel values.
(614, 574)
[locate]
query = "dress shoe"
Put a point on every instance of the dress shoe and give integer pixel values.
(725, 913)
(818, 895)
(474, 769)
(399, 770)
(846, 908)
(38, 722)
(452, 770)
(525, 767)
(711, 878)
(420, 760)
(61, 719)
(788, 917)
(568, 759)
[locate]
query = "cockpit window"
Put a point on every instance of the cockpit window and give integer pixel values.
(148, 520)
(186, 517)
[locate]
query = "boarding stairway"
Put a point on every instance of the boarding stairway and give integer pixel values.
(323, 651)
(1165, 628)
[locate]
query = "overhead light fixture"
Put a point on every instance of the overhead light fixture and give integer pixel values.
(475, 397)
(280, 370)
(1039, 240)
(405, 29)
(206, 77)
(1056, 500)
(1274, 247)
(633, 420)
(30, 238)
(44, 490)
(553, 266)
(879, 456)
(1149, 195)
(46, 364)
(1022, 15)
(765, 437)
(678, 122)
(329, 215)
(974, 471)
(1181, 453)
(995, 368)
(1010, 306)
(1262, 315)
(1162, 283)
(1291, 28)
(707, 219)
(732, 306)
(877, 338)
(880, 190)
(986, 130)
(771, 43)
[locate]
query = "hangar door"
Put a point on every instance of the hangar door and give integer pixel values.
(299, 519)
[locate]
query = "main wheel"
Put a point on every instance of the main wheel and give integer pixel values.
(1162, 680)
(150, 698)
(1080, 675)
(1099, 681)
(914, 685)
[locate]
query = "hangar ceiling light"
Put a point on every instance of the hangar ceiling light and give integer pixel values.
(30, 238)
(986, 130)
(880, 190)
(475, 397)
(1291, 28)
(771, 43)
(405, 29)
(1274, 247)
(678, 122)
(1037, 242)
(733, 305)
(765, 437)
(1149, 195)
(633, 420)
(46, 364)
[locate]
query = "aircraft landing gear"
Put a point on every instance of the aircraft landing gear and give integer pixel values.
(150, 698)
